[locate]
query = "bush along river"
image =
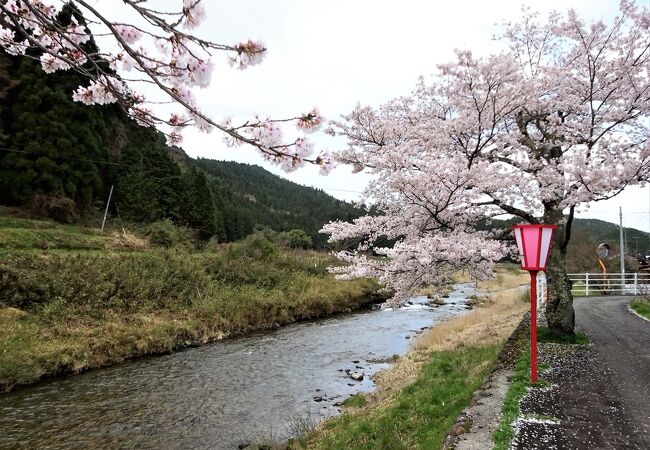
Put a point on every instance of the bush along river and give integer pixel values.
(222, 395)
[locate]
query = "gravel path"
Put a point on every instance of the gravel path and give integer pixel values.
(599, 397)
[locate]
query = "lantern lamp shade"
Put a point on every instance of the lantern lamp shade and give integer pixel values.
(534, 244)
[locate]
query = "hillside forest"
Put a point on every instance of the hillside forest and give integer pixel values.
(59, 158)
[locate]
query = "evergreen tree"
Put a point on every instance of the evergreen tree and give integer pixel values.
(54, 139)
(148, 182)
(198, 209)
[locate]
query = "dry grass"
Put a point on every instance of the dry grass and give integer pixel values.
(505, 276)
(126, 240)
(488, 325)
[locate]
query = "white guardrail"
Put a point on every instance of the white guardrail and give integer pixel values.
(586, 284)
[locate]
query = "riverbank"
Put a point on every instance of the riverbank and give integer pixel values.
(419, 398)
(67, 311)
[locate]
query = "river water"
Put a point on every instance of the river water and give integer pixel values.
(221, 395)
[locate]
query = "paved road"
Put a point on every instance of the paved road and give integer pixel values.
(600, 395)
(622, 341)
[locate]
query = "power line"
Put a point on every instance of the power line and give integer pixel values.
(342, 190)
(11, 150)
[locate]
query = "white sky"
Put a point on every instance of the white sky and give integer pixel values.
(336, 53)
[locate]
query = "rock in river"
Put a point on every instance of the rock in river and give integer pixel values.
(356, 376)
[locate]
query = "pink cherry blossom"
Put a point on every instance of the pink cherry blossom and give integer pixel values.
(534, 132)
(174, 138)
(100, 92)
(201, 71)
(50, 64)
(157, 51)
(76, 34)
(248, 53)
(128, 33)
(310, 121)
(193, 13)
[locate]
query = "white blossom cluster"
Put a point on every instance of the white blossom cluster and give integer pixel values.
(560, 119)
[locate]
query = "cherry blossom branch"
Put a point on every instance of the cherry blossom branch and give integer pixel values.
(183, 62)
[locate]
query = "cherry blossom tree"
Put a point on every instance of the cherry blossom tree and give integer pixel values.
(153, 50)
(557, 119)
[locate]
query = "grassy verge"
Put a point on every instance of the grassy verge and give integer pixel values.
(68, 311)
(420, 397)
(423, 412)
(519, 386)
(641, 306)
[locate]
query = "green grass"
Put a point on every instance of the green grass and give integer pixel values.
(28, 238)
(544, 334)
(641, 306)
(68, 311)
(355, 401)
(420, 415)
(14, 222)
(578, 290)
(502, 436)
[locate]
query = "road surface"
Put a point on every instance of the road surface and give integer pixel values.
(622, 340)
(599, 396)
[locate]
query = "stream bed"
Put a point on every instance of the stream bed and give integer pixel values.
(221, 395)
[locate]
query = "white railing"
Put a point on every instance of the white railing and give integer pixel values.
(587, 284)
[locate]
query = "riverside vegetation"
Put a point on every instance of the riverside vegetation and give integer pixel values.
(418, 399)
(73, 299)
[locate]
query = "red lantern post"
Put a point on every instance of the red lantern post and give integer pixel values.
(534, 244)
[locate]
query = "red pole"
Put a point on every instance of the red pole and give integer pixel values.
(533, 326)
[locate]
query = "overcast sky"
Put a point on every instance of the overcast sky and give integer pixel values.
(333, 54)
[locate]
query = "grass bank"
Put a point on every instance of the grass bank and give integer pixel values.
(521, 385)
(66, 311)
(419, 398)
(641, 306)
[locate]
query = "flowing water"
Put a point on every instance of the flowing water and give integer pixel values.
(221, 395)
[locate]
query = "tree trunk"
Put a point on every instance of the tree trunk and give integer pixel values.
(559, 308)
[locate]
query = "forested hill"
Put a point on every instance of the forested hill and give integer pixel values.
(253, 196)
(587, 234)
(60, 159)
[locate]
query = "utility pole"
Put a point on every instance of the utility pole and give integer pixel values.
(110, 194)
(622, 244)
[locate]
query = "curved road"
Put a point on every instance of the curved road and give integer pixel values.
(622, 341)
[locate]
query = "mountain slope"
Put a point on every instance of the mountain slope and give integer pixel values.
(249, 195)
(586, 235)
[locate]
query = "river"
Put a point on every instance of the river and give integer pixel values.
(221, 395)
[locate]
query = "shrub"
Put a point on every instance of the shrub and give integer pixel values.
(294, 239)
(95, 281)
(20, 288)
(165, 234)
(60, 209)
(254, 246)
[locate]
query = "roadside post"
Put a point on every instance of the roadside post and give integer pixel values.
(533, 243)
